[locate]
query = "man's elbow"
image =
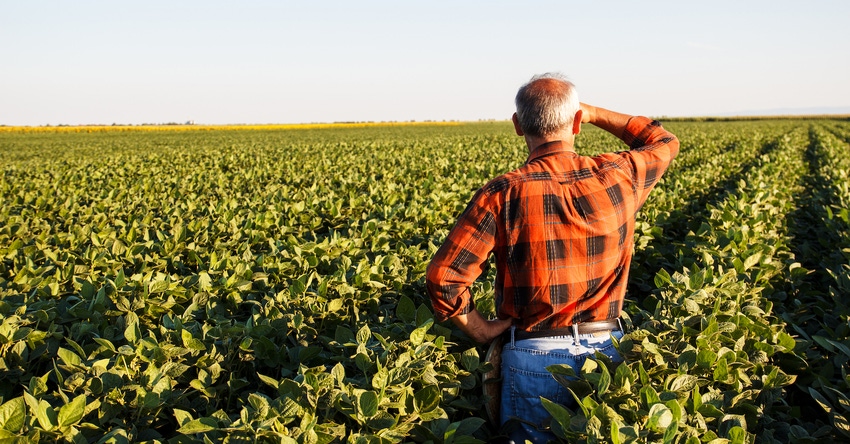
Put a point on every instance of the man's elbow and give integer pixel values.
(674, 146)
(672, 143)
(432, 276)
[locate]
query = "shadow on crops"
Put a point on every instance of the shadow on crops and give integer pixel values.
(840, 133)
(807, 223)
(802, 303)
(812, 238)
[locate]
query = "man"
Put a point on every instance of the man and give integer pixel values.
(561, 228)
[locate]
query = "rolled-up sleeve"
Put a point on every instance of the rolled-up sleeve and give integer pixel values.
(653, 148)
(462, 258)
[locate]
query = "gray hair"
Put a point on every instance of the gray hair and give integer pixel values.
(546, 104)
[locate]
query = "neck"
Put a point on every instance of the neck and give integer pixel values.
(567, 138)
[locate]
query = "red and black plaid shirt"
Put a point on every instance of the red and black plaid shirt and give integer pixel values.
(561, 228)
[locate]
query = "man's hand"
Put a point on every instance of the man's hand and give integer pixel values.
(587, 113)
(480, 329)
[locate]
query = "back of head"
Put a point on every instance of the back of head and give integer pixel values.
(546, 105)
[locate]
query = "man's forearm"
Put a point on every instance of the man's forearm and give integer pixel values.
(611, 121)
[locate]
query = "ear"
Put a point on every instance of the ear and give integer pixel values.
(516, 125)
(577, 122)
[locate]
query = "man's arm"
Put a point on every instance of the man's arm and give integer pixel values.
(458, 263)
(652, 148)
(635, 131)
(611, 121)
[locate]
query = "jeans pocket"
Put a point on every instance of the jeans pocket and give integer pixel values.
(526, 389)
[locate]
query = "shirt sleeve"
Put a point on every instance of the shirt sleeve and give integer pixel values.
(462, 259)
(652, 150)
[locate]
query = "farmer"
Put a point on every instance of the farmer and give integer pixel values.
(561, 229)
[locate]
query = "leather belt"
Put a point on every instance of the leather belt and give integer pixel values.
(581, 328)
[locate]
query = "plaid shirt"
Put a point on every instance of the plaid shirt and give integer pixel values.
(561, 228)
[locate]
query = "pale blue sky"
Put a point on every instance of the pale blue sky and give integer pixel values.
(80, 62)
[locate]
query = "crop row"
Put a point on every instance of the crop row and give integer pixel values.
(818, 309)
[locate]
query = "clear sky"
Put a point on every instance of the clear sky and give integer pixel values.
(78, 62)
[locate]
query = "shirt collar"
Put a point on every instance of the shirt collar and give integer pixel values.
(553, 147)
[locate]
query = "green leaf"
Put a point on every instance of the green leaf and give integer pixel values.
(562, 369)
(46, 415)
(662, 278)
(271, 382)
(344, 335)
(841, 423)
(468, 426)
(87, 290)
(696, 280)
(721, 372)
(335, 305)
(660, 417)
(72, 413)
(824, 403)
(68, 357)
(423, 315)
(119, 279)
(381, 379)
(363, 334)
(338, 372)
(297, 288)
(291, 409)
(649, 396)
(710, 411)
(427, 399)
(470, 360)
(417, 336)
(786, 341)
(706, 359)
(406, 310)
(643, 376)
(38, 386)
(204, 281)
(752, 260)
(367, 403)
(825, 343)
(670, 432)
(181, 416)
(729, 424)
(841, 347)
(132, 333)
(623, 376)
(696, 400)
(604, 381)
(157, 287)
(200, 425)
(191, 342)
(683, 383)
(738, 264)
(260, 405)
(559, 413)
(12, 414)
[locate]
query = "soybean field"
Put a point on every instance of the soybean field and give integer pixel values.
(267, 285)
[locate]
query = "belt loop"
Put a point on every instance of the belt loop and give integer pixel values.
(620, 324)
(576, 341)
(513, 328)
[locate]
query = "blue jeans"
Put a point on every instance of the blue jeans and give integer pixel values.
(525, 378)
